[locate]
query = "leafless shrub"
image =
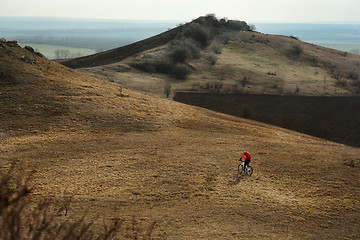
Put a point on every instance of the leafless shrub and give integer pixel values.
(252, 27)
(296, 50)
(65, 202)
(217, 49)
(167, 89)
(214, 86)
(23, 217)
(218, 86)
(212, 58)
(225, 37)
(244, 81)
(62, 53)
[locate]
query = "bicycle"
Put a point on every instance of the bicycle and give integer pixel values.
(249, 170)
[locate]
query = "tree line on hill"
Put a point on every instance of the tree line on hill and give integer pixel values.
(196, 36)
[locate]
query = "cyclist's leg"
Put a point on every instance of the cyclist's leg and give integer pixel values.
(246, 165)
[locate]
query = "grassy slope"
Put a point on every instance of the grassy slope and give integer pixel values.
(252, 55)
(134, 155)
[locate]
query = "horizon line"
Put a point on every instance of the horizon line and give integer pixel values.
(179, 20)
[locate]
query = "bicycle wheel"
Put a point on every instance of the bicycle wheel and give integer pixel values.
(249, 170)
(240, 168)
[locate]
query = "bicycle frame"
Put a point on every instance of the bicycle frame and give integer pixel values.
(247, 170)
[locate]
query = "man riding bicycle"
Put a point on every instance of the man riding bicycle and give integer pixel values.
(247, 157)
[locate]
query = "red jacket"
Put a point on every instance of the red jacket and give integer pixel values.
(246, 155)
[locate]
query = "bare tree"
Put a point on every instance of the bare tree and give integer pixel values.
(245, 80)
(62, 53)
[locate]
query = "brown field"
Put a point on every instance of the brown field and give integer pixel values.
(333, 118)
(127, 155)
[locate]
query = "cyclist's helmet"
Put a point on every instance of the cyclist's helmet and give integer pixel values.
(245, 151)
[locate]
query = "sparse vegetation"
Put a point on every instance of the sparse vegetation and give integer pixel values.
(217, 49)
(340, 81)
(252, 27)
(65, 53)
(22, 217)
(244, 81)
(212, 58)
(296, 50)
(187, 46)
(353, 75)
(62, 53)
(180, 71)
(167, 89)
(271, 73)
(198, 33)
(180, 54)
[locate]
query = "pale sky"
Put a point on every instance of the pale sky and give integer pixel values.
(324, 11)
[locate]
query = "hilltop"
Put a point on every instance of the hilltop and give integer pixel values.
(124, 154)
(211, 55)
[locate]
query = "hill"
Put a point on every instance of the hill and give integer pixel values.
(211, 55)
(122, 154)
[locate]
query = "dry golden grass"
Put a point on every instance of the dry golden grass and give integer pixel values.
(268, 60)
(129, 154)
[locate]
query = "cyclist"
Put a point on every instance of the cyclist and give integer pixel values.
(247, 157)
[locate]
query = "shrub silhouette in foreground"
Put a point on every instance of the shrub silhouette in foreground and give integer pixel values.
(22, 217)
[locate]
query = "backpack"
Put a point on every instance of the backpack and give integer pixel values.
(248, 156)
